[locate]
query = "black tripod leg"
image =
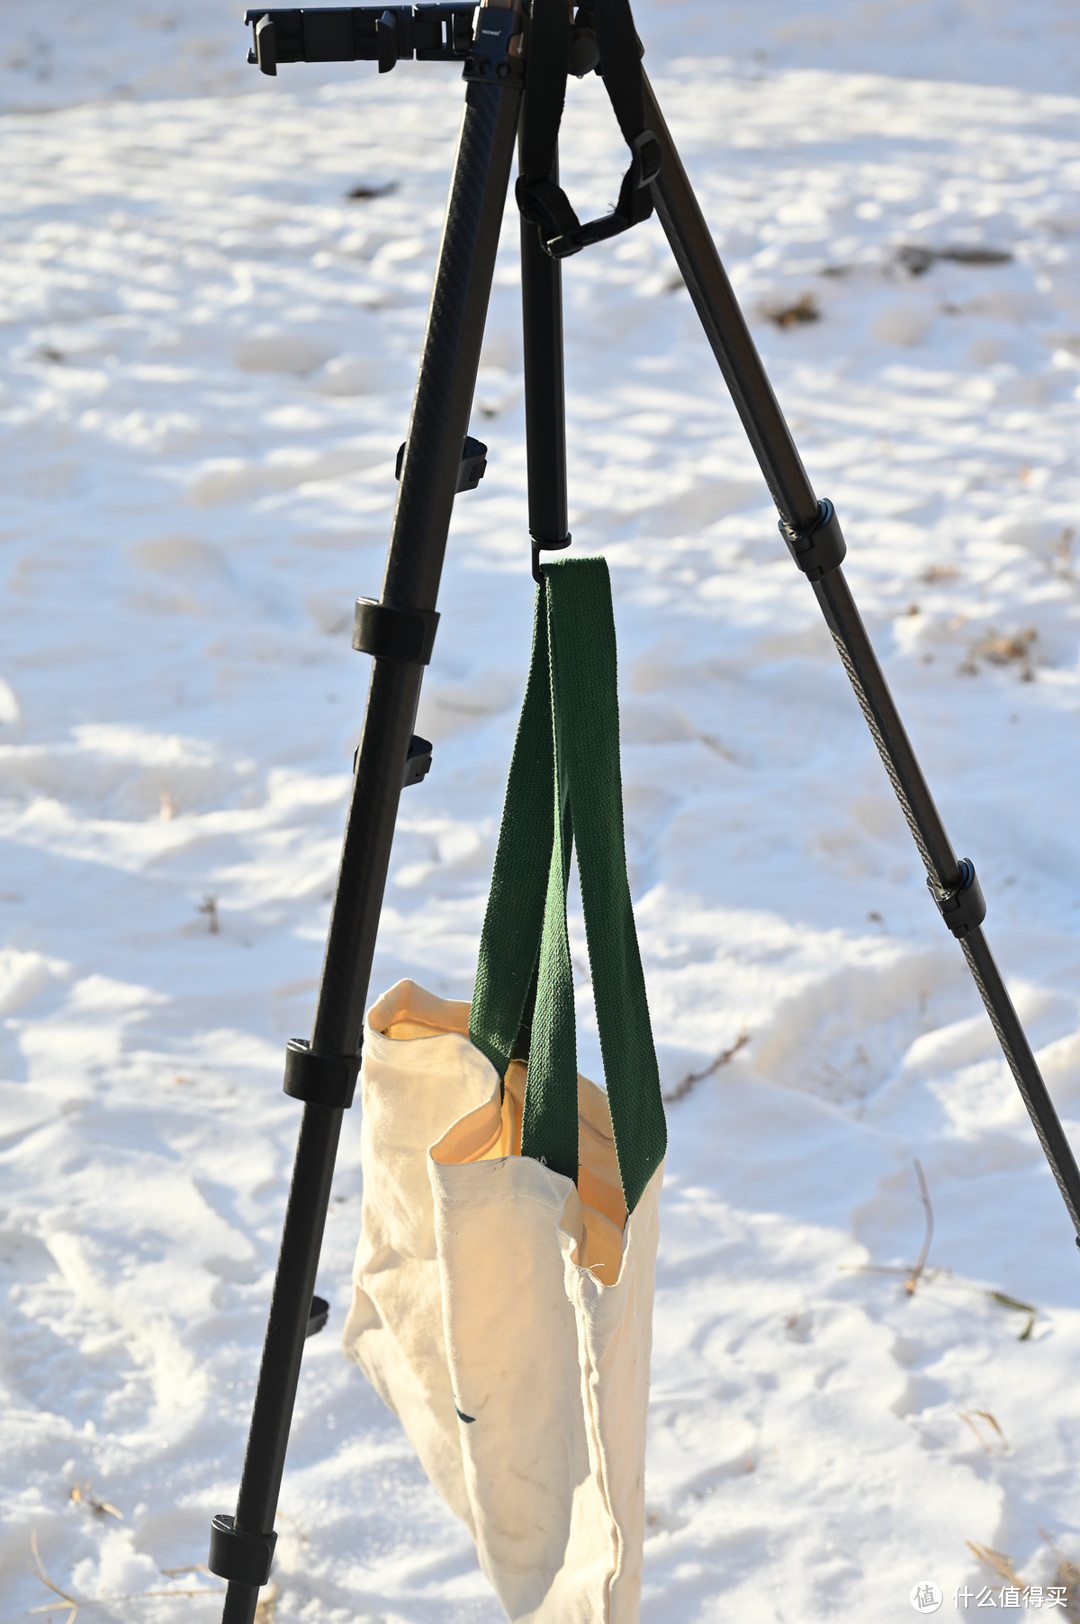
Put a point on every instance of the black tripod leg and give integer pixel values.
(399, 631)
(952, 883)
(545, 394)
(545, 441)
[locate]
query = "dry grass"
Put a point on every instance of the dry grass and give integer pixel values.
(805, 309)
(73, 1603)
(972, 1418)
(997, 1561)
(1066, 1575)
(1002, 648)
(80, 1493)
(362, 193)
(913, 1278)
(43, 1574)
(914, 1273)
(917, 260)
(266, 1611)
(209, 907)
(693, 1078)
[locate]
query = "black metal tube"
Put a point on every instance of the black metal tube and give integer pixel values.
(545, 392)
(1025, 1070)
(725, 328)
(286, 1331)
(889, 734)
(437, 429)
(769, 435)
(455, 332)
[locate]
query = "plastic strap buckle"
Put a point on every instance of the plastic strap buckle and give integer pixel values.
(962, 906)
(318, 1078)
(645, 165)
(821, 547)
(247, 1558)
(539, 202)
(394, 634)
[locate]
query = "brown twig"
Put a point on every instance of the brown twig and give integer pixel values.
(209, 907)
(1068, 1573)
(913, 1278)
(997, 1561)
(691, 1080)
(968, 1417)
(82, 1496)
(1023, 1308)
(932, 1276)
(201, 1590)
(266, 1610)
(41, 1573)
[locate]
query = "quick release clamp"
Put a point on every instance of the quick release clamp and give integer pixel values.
(388, 35)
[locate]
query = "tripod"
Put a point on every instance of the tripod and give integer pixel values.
(439, 460)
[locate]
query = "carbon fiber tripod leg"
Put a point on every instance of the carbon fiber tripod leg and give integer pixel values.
(814, 539)
(399, 630)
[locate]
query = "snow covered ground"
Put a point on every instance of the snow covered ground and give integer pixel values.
(206, 354)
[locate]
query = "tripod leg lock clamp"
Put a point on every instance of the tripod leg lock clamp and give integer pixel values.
(394, 634)
(473, 463)
(820, 547)
(962, 906)
(247, 1558)
(318, 1078)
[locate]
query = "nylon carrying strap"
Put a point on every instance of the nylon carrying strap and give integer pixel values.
(564, 790)
(541, 200)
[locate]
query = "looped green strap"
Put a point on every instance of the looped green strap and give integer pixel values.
(564, 790)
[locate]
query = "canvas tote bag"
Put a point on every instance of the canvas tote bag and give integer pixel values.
(503, 1283)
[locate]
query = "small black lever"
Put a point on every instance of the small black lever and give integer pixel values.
(386, 38)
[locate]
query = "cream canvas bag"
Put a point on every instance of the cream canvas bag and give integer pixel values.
(503, 1283)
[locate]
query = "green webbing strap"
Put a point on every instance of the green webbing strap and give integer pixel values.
(565, 786)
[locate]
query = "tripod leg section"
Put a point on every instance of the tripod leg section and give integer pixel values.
(545, 393)
(399, 631)
(814, 539)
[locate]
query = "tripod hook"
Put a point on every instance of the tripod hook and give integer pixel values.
(542, 544)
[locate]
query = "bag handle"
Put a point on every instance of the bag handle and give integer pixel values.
(565, 789)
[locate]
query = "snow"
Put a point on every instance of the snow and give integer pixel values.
(208, 350)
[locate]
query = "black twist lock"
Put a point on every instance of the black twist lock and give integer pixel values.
(317, 1078)
(247, 1558)
(821, 547)
(962, 906)
(394, 634)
